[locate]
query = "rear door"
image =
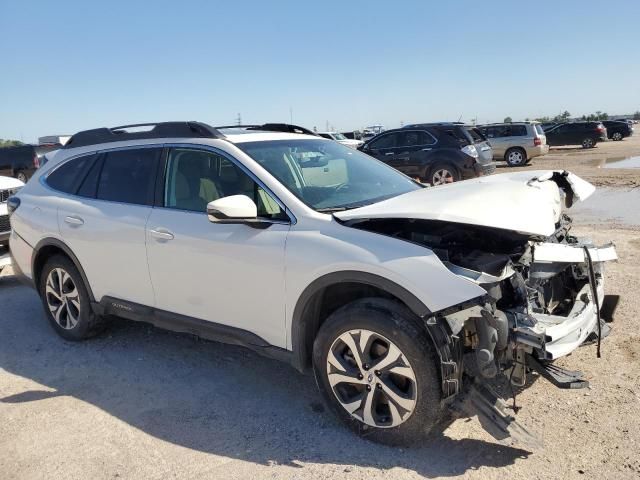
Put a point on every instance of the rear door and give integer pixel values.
(414, 152)
(497, 139)
(104, 222)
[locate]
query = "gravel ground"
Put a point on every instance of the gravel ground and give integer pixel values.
(138, 402)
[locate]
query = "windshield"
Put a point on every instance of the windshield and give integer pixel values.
(338, 136)
(328, 176)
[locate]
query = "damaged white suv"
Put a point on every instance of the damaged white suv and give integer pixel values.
(406, 301)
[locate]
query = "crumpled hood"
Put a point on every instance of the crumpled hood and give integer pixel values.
(525, 202)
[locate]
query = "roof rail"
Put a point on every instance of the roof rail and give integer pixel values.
(159, 130)
(272, 127)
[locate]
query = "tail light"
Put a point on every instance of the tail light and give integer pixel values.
(537, 142)
(36, 161)
(600, 128)
(470, 150)
(12, 204)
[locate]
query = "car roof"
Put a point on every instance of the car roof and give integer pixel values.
(526, 122)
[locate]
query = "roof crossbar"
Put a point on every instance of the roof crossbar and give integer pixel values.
(272, 127)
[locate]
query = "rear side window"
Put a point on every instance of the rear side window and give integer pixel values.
(518, 131)
(68, 176)
(458, 135)
(129, 176)
(416, 138)
(539, 129)
(385, 141)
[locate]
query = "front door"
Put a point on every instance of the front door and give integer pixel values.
(229, 274)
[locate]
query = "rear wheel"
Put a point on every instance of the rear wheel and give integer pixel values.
(588, 143)
(515, 157)
(377, 370)
(616, 136)
(442, 174)
(22, 176)
(66, 301)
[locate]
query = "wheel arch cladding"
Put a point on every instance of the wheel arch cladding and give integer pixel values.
(328, 293)
(48, 247)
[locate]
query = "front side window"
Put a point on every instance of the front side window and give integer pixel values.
(196, 177)
(327, 175)
(129, 176)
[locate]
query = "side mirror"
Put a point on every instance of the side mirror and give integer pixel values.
(232, 209)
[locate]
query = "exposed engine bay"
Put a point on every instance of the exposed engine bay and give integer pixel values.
(537, 306)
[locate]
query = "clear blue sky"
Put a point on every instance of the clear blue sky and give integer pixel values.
(71, 65)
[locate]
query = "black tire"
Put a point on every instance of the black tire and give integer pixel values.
(393, 321)
(22, 176)
(88, 323)
(438, 171)
(516, 157)
(589, 143)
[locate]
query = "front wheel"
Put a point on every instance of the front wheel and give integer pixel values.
(617, 136)
(377, 370)
(588, 143)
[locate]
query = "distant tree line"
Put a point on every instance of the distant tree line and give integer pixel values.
(9, 143)
(566, 116)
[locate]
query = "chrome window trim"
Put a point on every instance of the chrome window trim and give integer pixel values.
(292, 218)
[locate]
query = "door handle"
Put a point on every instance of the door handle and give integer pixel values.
(426, 149)
(161, 234)
(389, 153)
(73, 220)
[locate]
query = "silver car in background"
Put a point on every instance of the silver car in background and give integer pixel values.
(516, 143)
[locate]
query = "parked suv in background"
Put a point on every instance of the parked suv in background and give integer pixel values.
(587, 134)
(340, 138)
(434, 153)
(516, 143)
(8, 187)
(20, 162)
(617, 130)
(402, 299)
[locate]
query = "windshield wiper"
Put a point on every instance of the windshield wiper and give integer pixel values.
(331, 209)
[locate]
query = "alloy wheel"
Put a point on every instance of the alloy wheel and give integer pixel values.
(371, 378)
(442, 176)
(587, 143)
(63, 298)
(22, 177)
(617, 136)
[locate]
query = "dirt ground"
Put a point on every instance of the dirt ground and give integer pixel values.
(141, 403)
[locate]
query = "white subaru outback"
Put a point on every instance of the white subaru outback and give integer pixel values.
(405, 301)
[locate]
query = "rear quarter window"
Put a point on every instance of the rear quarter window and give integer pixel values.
(67, 177)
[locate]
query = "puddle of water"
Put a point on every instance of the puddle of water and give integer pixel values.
(609, 204)
(628, 162)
